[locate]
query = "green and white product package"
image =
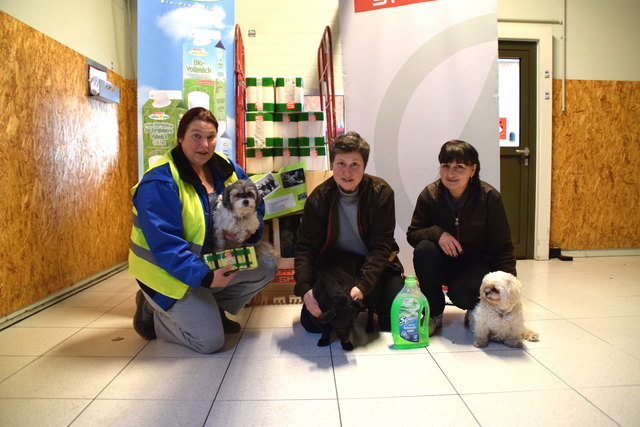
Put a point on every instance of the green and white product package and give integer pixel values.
(289, 94)
(284, 191)
(260, 132)
(259, 160)
(203, 72)
(311, 140)
(260, 141)
(260, 93)
(291, 155)
(278, 158)
(311, 128)
(160, 118)
(285, 126)
(314, 157)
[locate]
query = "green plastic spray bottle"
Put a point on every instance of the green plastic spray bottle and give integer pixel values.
(410, 316)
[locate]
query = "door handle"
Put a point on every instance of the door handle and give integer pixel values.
(525, 154)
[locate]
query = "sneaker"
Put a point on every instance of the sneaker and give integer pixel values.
(143, 318)
(435, 323)
(228, 325)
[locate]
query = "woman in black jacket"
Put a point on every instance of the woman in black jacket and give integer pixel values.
(460, 232)
(351, 212)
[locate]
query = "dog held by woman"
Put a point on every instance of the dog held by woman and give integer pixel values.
(498, 316)
(337, 274)
(236, 214)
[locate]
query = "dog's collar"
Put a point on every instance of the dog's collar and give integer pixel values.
(502, 312)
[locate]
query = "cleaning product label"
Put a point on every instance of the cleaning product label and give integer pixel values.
(409, 320)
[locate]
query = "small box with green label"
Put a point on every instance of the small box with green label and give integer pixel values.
(243, 258)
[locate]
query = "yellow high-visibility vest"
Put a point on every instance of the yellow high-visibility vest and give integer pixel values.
(142, 263)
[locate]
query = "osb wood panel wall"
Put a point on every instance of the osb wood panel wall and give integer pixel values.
(595, 194)
(67, 163)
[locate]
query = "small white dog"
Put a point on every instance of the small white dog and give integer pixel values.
(236, 213)
(498, 316)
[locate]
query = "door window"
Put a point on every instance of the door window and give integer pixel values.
(509, 101)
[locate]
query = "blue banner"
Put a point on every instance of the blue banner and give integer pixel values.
(185, 60)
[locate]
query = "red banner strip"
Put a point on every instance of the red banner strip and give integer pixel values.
(368, 5)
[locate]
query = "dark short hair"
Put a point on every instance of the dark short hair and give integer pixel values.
(196, 113)
(348, 143)
(460, 152)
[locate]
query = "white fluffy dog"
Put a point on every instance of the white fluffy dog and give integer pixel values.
(236, 213)
(498, 316)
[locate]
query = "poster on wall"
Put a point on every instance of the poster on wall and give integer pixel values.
(418, 74)
(185, 60)
(284, 191)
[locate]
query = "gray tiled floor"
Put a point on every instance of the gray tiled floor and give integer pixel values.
(80, 363)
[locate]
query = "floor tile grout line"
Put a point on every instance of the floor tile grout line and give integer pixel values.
(112, 308)
(235, 349)
(108, 383)
(574, 389)
(572, 322)
(457, 392)
(335, 385)
(40, 356)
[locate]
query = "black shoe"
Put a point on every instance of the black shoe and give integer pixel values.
(228, 325)
(143, 318)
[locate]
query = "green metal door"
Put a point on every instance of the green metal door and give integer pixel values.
(517, 125)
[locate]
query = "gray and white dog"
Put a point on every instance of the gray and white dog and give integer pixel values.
(236, 213)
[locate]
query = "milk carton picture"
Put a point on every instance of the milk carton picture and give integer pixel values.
(160, 118)
(204, 72)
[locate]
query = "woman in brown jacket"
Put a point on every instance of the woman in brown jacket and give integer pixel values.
(460, 232)
(353, 212)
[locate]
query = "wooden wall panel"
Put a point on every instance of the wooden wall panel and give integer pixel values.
(67, 163)
(595, 194)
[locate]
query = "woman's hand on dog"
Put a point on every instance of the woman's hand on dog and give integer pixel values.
(449, 245)
(356, 294)
(311, 303)
(222, 277)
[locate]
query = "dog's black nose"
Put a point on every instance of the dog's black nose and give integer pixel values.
(245, 202)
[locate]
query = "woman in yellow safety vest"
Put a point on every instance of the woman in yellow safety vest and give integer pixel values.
(180, 299)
